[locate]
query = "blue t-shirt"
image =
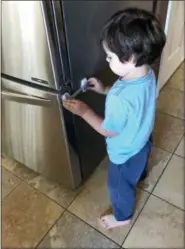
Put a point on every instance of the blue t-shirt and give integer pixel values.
(129, 112)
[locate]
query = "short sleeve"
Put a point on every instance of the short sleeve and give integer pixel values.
(116, 113)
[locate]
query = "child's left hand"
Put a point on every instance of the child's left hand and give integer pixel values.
(77, 107)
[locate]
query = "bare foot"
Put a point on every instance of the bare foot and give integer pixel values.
(109, 221)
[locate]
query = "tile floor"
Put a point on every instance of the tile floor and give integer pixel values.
(39, 214)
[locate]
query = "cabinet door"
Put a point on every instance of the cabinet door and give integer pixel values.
(173, 53)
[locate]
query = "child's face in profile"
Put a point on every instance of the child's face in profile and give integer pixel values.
(119, 68)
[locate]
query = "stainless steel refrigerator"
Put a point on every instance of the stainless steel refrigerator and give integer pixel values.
(48, 47)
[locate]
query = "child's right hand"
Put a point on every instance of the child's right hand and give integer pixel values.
(95, 85)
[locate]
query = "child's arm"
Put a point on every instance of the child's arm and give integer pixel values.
(96, 123)
(81, 109)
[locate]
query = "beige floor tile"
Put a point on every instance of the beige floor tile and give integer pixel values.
(9, 182)
(171, 185)
(160, 225)
(15, 167)
(168, 131)
(180, 149)
(171, 101)
(27, 215)
(104, 163)
(93, 201)
(177, 80)
(56, 192)
(157, 162)
(71, 232)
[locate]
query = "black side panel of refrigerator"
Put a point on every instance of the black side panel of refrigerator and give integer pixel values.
(83, 23)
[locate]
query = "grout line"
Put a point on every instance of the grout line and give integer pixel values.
(175, 72)
(24, 180)
(136, 218)
(65, 211)
(80, 191)
(66, 208)
(49, 230)
(170, 152)
(13, 173)
(168, 85)
(59, 204)
(45, 195)
(178, 144)
(12, 191)
(181, 91)
(154, 146)
(170, 158)
(93, 227)
(152, 194)
(179, 156)
(161, 198)
(84, 183)
(162, 172)
(171, 115)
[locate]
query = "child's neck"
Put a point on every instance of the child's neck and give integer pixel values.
(137, 72)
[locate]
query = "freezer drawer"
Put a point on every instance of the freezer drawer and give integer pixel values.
(27, 47)
(33, 133)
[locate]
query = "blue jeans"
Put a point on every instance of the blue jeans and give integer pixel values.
(122, 182)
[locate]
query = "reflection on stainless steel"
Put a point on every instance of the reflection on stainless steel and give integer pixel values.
(25, 50)
(33, 135)
(17, 97)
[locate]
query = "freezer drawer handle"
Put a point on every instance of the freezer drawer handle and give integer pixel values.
(10, 95)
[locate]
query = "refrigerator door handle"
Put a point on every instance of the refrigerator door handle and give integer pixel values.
(18, 97)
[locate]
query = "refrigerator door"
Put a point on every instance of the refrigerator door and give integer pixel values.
(28, 50)
(83, 23)
(33, 133)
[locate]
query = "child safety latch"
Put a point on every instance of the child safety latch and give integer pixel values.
(83, 88)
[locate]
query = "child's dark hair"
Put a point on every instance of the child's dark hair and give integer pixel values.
(134, 32)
